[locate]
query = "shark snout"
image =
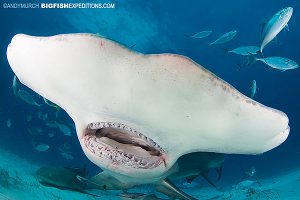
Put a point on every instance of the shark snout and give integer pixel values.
(16, 53)
(280, 129)
(18, 41)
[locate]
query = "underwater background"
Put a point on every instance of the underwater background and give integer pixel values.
(159, 27)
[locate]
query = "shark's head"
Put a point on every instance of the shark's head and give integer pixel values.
(136, 114)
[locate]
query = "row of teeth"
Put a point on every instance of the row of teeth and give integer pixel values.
(97, 147)
(98, 125)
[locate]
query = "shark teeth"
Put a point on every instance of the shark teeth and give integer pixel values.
(99, 125)
(101, 149)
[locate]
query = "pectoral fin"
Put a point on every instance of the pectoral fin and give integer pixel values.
(286, 27)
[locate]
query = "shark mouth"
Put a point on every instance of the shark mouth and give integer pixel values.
(123, 145)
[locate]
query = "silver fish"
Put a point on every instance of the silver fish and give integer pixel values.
(39, 114)
(251, 172)
(201, 34)
(25, 96)
(8, 123)
(245, 184)
(225, 38)
(66, 151)
(34, 131)
(66, 155)
(275, 25)
(245, 50)
(15, 85)
(49, 103)
(41, 147)
(63, 128)
(44, 116)
(253, 89)
(280, 63)
(28, 118)
(51, 134)
(22, 94)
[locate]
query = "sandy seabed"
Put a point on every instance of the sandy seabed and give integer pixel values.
(18, 182)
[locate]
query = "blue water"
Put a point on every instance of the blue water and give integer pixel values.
(157, 27)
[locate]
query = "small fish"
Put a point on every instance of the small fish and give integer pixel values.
(275, 25)
(247, 61)
(245, 184)
(41, 147)
(39, 114)
(67, 156)
(30, 131)
(25, 96)
(22, 94)
(225, 38)
(38, 130)
(51, 124)
(44, 116)
(251, 172)
(63, 128)
(279, 63)
(51, 134)
(8, 123)
(15, 86)
(34, 131)
(65, 148)
(49, 103)
(28, 118)
(253, 89)
(65, 151)
(201, 34)
(245, 50)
